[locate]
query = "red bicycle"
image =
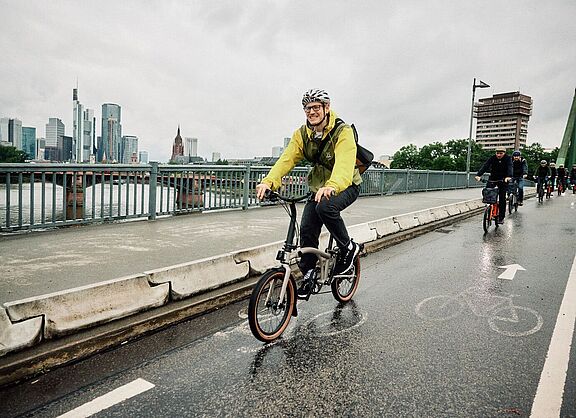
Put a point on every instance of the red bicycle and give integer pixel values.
(492, 209)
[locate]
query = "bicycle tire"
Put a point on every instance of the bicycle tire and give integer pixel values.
(343, 288)
(486, 221)
(498, 323)
(510, 203)
(269, 318)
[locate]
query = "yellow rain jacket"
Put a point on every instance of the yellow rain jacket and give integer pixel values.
(339, 153)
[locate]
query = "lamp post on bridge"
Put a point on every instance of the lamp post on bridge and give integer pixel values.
(482, 85)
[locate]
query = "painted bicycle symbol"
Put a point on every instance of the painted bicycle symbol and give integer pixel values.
(503, 315)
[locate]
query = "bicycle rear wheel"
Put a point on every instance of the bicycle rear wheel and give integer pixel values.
(343, 288)
(268, 316)
(486, 220)
(510, 203)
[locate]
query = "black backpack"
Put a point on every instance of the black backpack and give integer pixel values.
(364, 157)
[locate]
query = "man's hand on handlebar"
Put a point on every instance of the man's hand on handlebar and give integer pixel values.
(261, 190)
(507, 179)
(326, 192)
(477, 178)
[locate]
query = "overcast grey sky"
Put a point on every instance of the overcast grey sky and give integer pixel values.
(231, 73)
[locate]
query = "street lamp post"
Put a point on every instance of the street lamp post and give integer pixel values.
(474, 87)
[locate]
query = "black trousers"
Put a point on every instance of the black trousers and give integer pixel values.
(327, 212)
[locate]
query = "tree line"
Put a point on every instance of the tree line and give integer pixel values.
(452, 156)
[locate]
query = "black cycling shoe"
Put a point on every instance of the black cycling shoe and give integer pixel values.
(346, 259)
(308, 283)
(500, 221)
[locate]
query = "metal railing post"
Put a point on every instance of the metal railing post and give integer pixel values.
(382, 171)
(152, 184)
(246, 196)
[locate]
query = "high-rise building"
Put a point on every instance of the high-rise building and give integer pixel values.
(54, 130)
(276, 151)
(286, 142)
(111, 133)
(77, 127)
(129, 149)
(40, 148)
(88, 134)
(11, 132)
(29, 142)
(143, 157)
(502, 120)
(65, 148)
(216, 156)
(191, 147)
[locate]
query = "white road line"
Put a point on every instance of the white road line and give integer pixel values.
(111, 398)
(548, 399)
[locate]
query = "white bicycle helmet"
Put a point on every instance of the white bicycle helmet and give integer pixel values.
(315, 95)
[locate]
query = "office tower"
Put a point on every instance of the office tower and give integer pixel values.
(502, 120)
(29, 142)
(129, 149)
(88, 134)
(54, 130)
(276, 151)
(177, 149)
(40, 148)
(111, 132)
(143, 157)
(77, 128)
(215, 156)
(286, 142)
(191, 147)
(65, 148)
(11, 132)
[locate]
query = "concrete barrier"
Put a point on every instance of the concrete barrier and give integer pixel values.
(71, 310)
(188, 279)
(406, 221)
(440, 213)
(259, 258)
(425, 216)
(14, 337)
(362, 233)
(453, 209)
(383, 227)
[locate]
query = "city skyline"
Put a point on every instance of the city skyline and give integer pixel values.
(387, 67)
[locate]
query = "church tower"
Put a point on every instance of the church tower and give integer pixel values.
(177, 148)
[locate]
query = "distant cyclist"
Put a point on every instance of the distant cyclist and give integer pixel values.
(573, 176)
(542, 175)
(561, 172)
(519, 173)
(334, 179)
(553, 174)
(500, 168)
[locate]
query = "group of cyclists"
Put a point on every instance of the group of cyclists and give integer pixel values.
(513, 170)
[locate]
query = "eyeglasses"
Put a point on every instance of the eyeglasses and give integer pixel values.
(314, 108)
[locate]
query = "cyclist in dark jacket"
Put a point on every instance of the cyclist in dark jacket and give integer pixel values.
(500, 168)
(561, 172)
(542, 174)
(519, 173)
(552, 175)
(573, 176)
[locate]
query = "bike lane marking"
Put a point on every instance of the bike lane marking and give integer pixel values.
(550, 391)
(112, 398)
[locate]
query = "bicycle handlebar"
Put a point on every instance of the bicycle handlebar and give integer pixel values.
(273, 196)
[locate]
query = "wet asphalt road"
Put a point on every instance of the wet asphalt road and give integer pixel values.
(429, 333)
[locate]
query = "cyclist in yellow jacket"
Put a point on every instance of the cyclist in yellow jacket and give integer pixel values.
(334, 179)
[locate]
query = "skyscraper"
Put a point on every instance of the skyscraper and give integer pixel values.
(54, 130)
(29, 141)
(77, 128)
(129, 149)
(88, 134)
(11, 132)
(191, 147)
(111, 133)
(502, 120)
(143, 157)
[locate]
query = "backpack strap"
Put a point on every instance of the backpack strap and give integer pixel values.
(337, 123)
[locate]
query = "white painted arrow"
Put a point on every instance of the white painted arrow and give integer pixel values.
(510, 271)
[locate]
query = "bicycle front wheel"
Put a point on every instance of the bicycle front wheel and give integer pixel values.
(486, 221)
(343, 288)
(269, 316)
(510, 203)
